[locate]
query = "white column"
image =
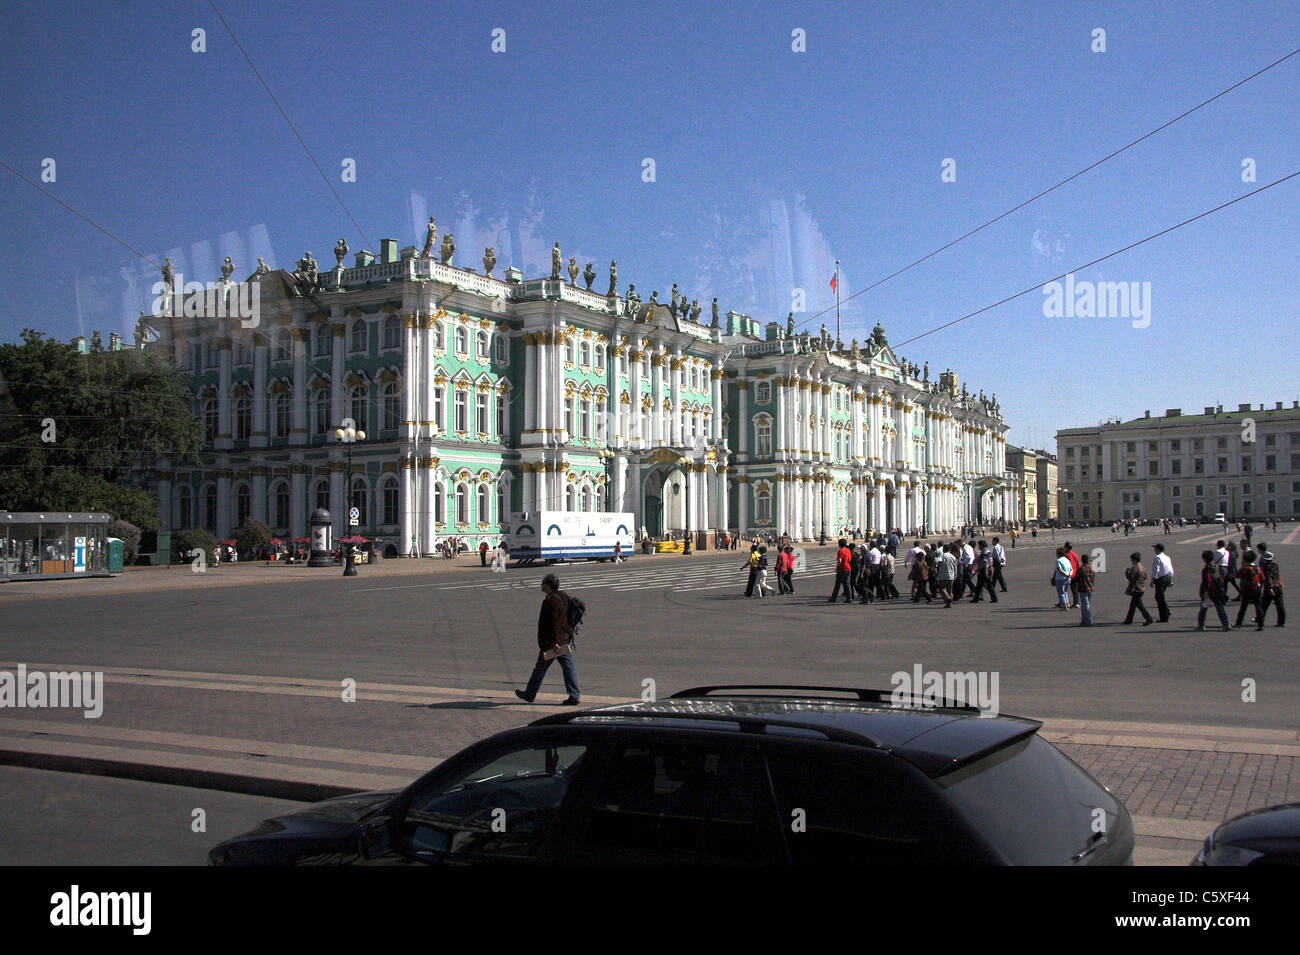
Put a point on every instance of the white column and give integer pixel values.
(224, 430)
(675, 393)
(723, 501)
(258, 439)
(742, 390)
(338, 328)
(530, 383)
(298, 512)
(404, 506)
(715, 398)
(298, 432)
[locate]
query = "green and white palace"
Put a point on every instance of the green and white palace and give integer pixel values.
(481, 396)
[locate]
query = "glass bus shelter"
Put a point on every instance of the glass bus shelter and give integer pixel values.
(43, 545)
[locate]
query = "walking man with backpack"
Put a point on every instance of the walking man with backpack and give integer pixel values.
(556, 625)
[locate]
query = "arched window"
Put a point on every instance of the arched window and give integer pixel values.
(439, 502)
(763, 392)
(392, 332)
(600, 498)
(243, 504)
(243, 353)
(439, 335)
(283, 350)
(482, 347)
(210, 507)
(584, 355)
(360, 336)
(361, 501)
(462, 340)
(280, 407)
(763, 436)
(280, 509)
(324, 338)
(763, 504)
(462, 504)
(209, 419)
(584, 419)
(321, 495)
(184, 507)
(440, 408)
(586, 498)
(392, 407)
(243, 418)
(695, 378)
(503, 400)
(503, 503)
(357, 406)
(390, 497)
(320, 418)
(568, 351)
(502, 350)
(600, 358)
(569, 423)
(570, 498)
(484, 503)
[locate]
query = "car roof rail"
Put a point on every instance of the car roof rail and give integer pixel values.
(747, 724)
(817, 693)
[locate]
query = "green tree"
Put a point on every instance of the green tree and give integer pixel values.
(129, 535)
(252, 539)
(80, 432)
(187, 540)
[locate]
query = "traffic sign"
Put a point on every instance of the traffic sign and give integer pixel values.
(354, 516)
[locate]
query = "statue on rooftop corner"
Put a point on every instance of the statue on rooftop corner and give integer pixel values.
(855, 352)
(308, 274)
(789, 325)
(695, 310)
(613, 279)
(573, 271)
(340, 251)
(826, 338)
(489, 260)
(430, 237)
(168, 276)
(632, 301)
(262, 267)
(227, 267)
(447, 250)
(557, 261)
(673, 306)
(715, 311)
(589, 275)
(927, 372)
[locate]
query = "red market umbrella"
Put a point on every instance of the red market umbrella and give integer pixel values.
(228, 542)
(276, 540)
(354, 539)
(301, 540)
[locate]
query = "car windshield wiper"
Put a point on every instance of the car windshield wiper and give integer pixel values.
(1096, 841)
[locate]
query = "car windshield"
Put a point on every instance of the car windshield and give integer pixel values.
(1031, 802)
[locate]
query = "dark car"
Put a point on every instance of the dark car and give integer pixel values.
(728, 775)
(1260, 837)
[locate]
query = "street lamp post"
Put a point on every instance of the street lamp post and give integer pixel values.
(607, 459)
(685, 464)
(821, 479)
(348, 437)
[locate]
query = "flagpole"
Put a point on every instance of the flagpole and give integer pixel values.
(837, 303)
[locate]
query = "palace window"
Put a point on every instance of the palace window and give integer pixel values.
(584, 355)
(462, 411)
(503, 352)
(600, 358)
(439, 502)
(243, 504)
(484, 502)
(568, 415)
(481, 412)
(210, 507)
(392, 333)
(209, 412)
(360, 336)
(462, 341)
(568, 351)
(462, 504)
(482, 349)
(763, 436)
(763, 505)
(324, 336)
(361, 501)
(280, 509)
(280, 409)
(390, 498)
(439, 335)
(243, 354)
(584, 421)
(357, 406)
(243, 418)
(283, 351)
(503, 506)
(763, 392)
(321, 411)
(439, 408)
(184, 508)
(502, 398)
(392, 408)
(322, 495)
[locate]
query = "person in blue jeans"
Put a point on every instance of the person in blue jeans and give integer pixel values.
(1084, 583)
(1061, 578)
(553, 633)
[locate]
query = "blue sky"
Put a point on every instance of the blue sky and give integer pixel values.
(841, 147)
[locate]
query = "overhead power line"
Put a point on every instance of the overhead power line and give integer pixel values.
(1068, 179)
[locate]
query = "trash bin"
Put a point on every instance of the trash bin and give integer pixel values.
(115, 555)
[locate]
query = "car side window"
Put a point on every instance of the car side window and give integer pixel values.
(677, 803)
(858, 808)
(503, 808)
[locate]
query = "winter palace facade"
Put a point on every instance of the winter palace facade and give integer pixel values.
(481, 396)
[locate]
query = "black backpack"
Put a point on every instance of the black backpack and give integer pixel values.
(576, 610)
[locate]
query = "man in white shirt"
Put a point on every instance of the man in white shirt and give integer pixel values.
(874, 575)
(1221, 560)
(967, 566)
(1162, 575)
(999, 561)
